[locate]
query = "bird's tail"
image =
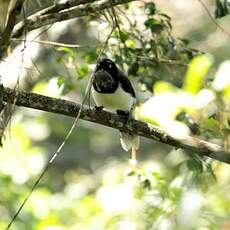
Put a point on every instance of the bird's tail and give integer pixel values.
(129, 141)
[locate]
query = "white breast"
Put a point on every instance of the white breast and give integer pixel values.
(119, 100)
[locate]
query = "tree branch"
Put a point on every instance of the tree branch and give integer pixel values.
(61, 6)
(59, 13)
(14, 9)
(59, 106)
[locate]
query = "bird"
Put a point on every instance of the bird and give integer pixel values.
(112, 91)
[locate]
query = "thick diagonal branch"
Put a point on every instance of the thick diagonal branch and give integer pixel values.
(68, 108)
(52, 15)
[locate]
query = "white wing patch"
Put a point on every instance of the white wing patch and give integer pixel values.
(119, 100)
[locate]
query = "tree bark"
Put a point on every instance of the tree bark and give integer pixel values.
(68, 108)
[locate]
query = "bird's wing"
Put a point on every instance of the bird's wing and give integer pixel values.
(125, 83)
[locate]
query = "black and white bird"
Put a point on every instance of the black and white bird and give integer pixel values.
(112, 91)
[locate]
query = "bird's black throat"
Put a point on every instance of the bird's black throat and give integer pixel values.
(107, 78)
(105, 82)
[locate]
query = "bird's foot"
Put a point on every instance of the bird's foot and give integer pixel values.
(124, 114)
(98, 108)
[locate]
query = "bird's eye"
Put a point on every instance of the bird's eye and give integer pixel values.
(110, 66)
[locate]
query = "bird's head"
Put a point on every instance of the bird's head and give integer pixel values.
(107, 65)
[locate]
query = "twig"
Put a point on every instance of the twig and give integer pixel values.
(116, 21)
(51, 43)
(62, 6)
(68, 108)
(213, 19)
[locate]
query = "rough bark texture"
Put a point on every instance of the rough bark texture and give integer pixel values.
(69, 108)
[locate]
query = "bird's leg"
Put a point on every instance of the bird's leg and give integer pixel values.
(126, 115)
(98, 108)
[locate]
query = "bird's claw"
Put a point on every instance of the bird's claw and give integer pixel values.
(125, 115)
(98, 108)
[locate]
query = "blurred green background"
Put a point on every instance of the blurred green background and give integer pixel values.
(91, 184)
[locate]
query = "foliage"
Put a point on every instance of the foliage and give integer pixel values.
(222, 8)
(148, 53)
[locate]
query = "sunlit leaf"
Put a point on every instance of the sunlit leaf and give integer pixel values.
(222, 79)
(60, 81)
(163, 86)
(196, 72)
(23, 141)
(123, 35)
(227, 93)
(49, 88)
(160, 109)
(82, 71)
(157, 176)
(39, 87)
(130, 43)
(50, 223)
(39, 203)
(70, 51)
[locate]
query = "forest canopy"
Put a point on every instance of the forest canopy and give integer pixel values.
(61, 163)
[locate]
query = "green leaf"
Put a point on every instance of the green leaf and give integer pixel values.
(227, 92)
(195, 165)
(157, 176)
(133, 69)
(70, 51)
(163, 86)
(82, 71)
(146, 184)
(60, 59)
(90, 56)
(69, 86)
(150, 8)
(196, 72)
(60, 81)
(123, 35)
(222, 8)
(130, 43)
(212, 126)
(131, 173)
(154, 25)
